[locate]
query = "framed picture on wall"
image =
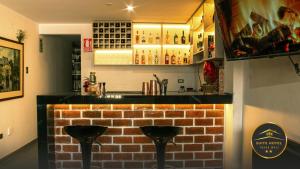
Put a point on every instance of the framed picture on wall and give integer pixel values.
(11, 69)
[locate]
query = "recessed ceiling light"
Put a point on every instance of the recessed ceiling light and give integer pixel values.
(108, 4)
(130, 8)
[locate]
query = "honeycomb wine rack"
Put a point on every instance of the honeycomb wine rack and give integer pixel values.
(112, 34)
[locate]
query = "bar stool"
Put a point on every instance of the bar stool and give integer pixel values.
(161, 135)
(86, 135)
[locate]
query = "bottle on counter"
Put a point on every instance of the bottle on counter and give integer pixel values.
(179, 62)
(185, 59)
(157, 39)
(143, 59)
(143, 38)
(137, 58)
(92, 77)
(150, 58)
(182, 38)
(167, 58)
(150, 38)
(156, 59)
(167, 38)
(175, 38)
(137, 37)
(173, 58)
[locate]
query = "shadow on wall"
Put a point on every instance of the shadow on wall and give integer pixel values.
(274, 85)
(272, 72)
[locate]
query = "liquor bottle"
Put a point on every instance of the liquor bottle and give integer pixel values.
(137, 37)
(156, 60)
(143, 38)
(157, 39)
(167, 58)
(175, 39)
(143, 60)
(185, 59)
(137, 58)
(167, 38)
(182, 38)
(179, 58)
(150, 39)
(150, 58)
(173, 58)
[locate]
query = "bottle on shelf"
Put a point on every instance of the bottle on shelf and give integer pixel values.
(185, 59)
(156, 59)
(167, 58)
(157, 39)
(137, 58)
(167, 38)
(173, 58)
(143, 38)
(175, 38)
(183, 38)
(143, 59)
(150, 39)
(179, 58)
(137, 37)
(200, 42)
(150, 58)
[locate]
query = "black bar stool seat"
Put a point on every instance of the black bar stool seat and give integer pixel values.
(161, 135)
(86, 135)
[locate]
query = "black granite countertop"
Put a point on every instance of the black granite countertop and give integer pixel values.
(137, 98)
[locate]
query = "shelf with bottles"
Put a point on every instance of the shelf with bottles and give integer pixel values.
(112, 35)
(147, 34)
(150, 56)
(198, 41)
(76, 68)
(176, 34)
(176, 57)
(207, 44)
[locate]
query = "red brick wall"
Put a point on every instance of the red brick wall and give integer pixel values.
(200, 145)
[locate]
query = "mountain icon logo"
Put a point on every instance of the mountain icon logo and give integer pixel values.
(269, 141)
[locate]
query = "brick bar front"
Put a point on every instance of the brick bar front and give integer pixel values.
(200, 145)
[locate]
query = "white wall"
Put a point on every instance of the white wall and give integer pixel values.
(121, 78)
(272, 95)
(20, 114)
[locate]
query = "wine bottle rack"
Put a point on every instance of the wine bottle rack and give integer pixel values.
(76, 69)
(112, 34)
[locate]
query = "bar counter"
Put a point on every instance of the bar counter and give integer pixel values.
(200, 145)
(137, 98)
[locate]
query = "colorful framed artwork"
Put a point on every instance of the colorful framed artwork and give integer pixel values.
(11, 69)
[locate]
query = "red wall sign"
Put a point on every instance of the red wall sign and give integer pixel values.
(87, 45)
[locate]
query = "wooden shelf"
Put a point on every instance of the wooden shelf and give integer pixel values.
(209, 59)
(198, 52)
(170, 65)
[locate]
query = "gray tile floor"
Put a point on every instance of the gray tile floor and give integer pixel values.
(25, 158)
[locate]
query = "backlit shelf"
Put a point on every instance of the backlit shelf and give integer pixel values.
(147, 46)
(172, 46)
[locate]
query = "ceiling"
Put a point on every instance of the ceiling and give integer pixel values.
(83, 11)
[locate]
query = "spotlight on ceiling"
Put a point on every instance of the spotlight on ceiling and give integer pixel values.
(130, 8)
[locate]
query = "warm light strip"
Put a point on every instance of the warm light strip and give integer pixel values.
(176, 26)
(178, 46)
(143, 26)
(146, 46)
(125, 51)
